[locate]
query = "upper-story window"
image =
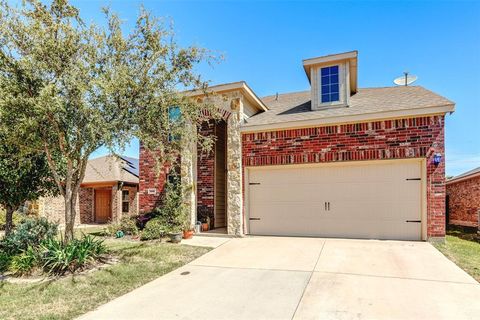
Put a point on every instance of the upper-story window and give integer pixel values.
(330, 87)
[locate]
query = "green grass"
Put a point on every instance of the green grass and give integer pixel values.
(66, 298)
(463, 248)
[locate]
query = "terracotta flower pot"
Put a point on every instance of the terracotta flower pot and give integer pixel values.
(187, 234)
(204, 226)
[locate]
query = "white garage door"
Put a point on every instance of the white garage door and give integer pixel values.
(380, 200)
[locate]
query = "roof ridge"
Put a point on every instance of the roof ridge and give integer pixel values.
(465, 174)
(368, 88)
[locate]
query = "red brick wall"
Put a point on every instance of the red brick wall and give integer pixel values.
(86, 205)
(150, 178)
(464, 202)
(389, 139)
(206, 177)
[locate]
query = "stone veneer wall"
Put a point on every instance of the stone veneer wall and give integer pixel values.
(418, 137)
(235, 215)
(464, 202)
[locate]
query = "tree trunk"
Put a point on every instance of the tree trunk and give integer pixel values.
(8, 220)
(70, 212)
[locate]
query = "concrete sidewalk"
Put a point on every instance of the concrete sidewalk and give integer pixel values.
(306, 278)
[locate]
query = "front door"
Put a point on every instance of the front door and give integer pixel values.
(103, 207)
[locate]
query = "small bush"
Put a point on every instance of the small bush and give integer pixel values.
(5, 260)
(154, 229)
(30, 233)
(112, 229)
(127, 225)
(24, 263)
(16, 219)
(142, 219)
(58, 258)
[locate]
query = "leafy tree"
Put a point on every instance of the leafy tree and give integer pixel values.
(22, 178)
(67, 88)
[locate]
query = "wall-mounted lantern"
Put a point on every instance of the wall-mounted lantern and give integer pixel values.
(437, 158)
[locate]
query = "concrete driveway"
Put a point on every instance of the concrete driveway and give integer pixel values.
(306, 278)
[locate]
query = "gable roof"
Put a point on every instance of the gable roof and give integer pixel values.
(350, 56)
(292, 109)
(241, 86)
(466, 175)
(112, 168)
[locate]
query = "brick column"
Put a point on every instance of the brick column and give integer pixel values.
(234, 169)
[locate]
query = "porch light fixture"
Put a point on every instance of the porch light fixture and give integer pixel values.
(437, 158)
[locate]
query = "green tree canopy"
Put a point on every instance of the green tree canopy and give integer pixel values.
(22, 178)
(68, 88)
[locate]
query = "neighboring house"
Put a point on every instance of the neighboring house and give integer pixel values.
(108, 191)
(463, 199)
(333, 161)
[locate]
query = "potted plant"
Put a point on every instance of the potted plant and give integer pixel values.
(175, 234)
(205, 225)
(187, 231)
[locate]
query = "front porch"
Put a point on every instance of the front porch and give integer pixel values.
(216, 197)
(214, 179)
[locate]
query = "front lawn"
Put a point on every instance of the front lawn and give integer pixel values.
(463, 248)
(140, 262)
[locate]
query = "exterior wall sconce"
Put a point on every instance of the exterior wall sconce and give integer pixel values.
(437, 158)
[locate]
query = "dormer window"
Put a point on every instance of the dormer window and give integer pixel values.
(333, 79)
(329, 84)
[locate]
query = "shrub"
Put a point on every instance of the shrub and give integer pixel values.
(142, 219)
(16, 219)
(5, 260)
(57, 257)
(154, 229)
(30, 233)
(24, 263)
(174, 210)
(112, 229)
(127, 225)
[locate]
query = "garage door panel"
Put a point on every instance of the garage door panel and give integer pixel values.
(365, 201)
(262, 194)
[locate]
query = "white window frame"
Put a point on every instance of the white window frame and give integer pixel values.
(341, 86)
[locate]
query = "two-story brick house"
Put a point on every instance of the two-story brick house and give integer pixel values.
(333, 161)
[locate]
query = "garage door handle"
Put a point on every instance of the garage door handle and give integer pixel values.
(254, 219)
(416, 221)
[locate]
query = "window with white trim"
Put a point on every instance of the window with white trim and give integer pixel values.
(330, 84)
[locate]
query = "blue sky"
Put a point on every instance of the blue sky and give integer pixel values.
(264, 44)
